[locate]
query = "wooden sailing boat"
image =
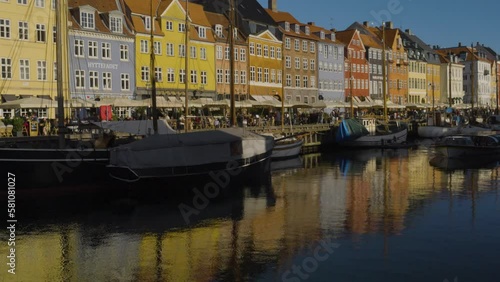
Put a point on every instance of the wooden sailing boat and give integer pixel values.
(200, 153)
(352, 133)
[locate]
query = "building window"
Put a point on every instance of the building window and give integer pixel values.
(278, 53)
(170, 49)
(79, 79)
(145, 73)
(54, 34)
(226, 54)
(288, 62)
(144, 46)
(23, 30)
(182, 27)
(218, 30)
(22, 2)
(202, 32)
(169, 26)
(288, 80)
(252, 48)
(219, 76)
(259, 74)
(40, 3)
(266, 75)
(157, 46)
(287, 43)
(305, 46)
(312, 47)
(273, 76)
(125, 81)
(313, 64)
(297, 81)
(219, 53)
(313, 82)
(170, 75)
(40, 33)
(236, 77)
(203, 53)
(158, 74)
(92, 49)
(297, 63)
(106, 50)
(24, 69)
(194, 76)
(243, 77)
(266, 51)
(193, 52)
(305, 82)
(259, 50)
(236, 54)
(272, 55)
(182, 50)
(124, 52)
(203, 77)
(243, 55)
(106, 81)
(297, 45)
(87, 20)
(116, 24)
(42, 70)
(6, 64)
(79, 48)
(182, 76)
(305, 63)
(147, 22)
(93, 80)
(252, 73)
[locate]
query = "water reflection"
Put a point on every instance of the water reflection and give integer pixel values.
(372, 202)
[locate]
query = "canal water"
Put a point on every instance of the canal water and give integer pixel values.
(362, 216)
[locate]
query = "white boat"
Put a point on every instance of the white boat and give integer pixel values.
(287, 148)
(473, 146)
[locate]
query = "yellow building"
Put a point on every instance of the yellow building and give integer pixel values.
(170, 49)
(28, 52)
(266, 75)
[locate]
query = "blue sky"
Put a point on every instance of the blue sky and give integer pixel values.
(436, 22)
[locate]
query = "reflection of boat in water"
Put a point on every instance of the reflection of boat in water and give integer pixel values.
(285, 164)
(469, 147)
(444, 163)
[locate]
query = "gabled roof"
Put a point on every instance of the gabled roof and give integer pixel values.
(465, 53)
(368, 35)
(143, 7)
(282, 17)
(101, 15)
(315, 30)
(429, 54)
(345, 36)
(222, 20)
(250, 10)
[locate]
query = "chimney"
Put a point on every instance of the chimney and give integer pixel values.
(408, 31)
(459, 44)
(310, 23)
(273, 5)
(367, 24)
(389, 25)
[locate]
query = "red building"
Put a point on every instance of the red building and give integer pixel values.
(356, 64)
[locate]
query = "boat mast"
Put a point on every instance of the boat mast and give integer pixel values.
(186, 67)
(283, 88)
(472, 77)
(153, 72)
(384, 78)
(449, 79)
(231, 61)
(60, 26)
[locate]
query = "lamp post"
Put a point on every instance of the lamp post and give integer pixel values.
(433, 111)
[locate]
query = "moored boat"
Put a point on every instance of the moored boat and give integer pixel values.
(469, 146)
(353, 134)
(287, 148)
